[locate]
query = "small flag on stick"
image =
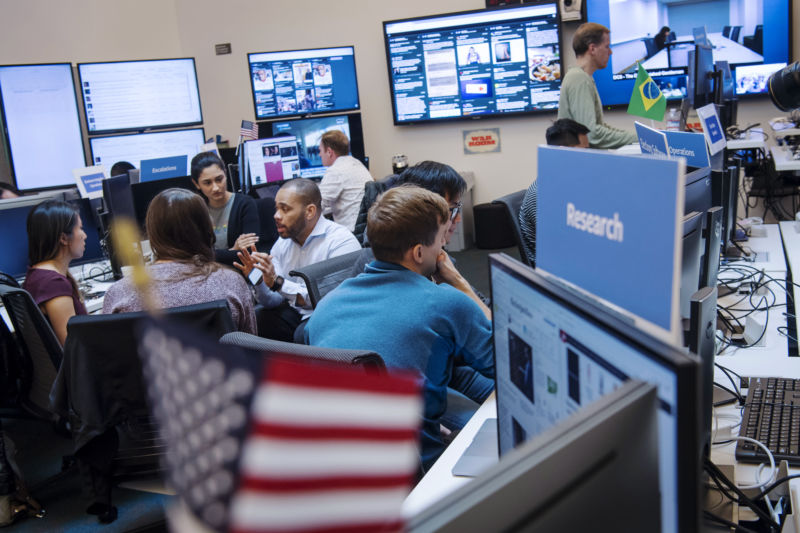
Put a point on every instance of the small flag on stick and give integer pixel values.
(647, 99)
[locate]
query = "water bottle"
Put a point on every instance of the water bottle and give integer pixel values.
(399, 163)
(673, 120)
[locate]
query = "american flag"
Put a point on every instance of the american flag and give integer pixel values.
(249, 130)
(263, 444)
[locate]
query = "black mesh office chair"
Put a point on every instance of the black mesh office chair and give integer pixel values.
(726, 31)
(100, 390)
(370, 361)
(39, 348)
(321, 278)
(513, 203)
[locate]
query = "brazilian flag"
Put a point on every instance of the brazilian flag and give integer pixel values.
(647, 100)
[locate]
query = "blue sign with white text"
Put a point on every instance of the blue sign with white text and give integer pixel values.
(714, 128)
(164, 167)
(608, 223)
(93, 182)
(651, 141)
(692, 146)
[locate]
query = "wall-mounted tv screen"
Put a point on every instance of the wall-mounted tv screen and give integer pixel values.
(139, 95)
(753, 79)
(475, 63)
(138, 146)
(271, 160)
(742, 32)
(308, 132)
(303, 82)
(41, 124)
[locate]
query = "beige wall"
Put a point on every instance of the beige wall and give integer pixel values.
(92, 30)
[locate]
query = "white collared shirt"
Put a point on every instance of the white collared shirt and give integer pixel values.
(342, 188)
(327, 239)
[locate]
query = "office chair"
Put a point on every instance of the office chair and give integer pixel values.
(100, 390)
(370, 361)
(513, 203)
(735, 33)
(321, 278)
(650, 46)
(268, 233)
(372, 189)
(39, 347)
(726, 31)
(755, 42)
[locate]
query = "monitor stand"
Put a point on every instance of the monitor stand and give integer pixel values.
(717, 503)
(482, 452)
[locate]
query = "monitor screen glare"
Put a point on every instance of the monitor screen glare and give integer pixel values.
(474, 63)
(303, 82)
(136, 95)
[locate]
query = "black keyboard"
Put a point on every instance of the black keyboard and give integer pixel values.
(772, 416)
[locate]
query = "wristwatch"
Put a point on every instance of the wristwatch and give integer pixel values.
(278, 284)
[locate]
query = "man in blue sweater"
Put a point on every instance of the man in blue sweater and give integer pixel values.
(395, 310)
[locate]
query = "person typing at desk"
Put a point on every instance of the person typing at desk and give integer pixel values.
(55, 238)
(184, 271)
(395, 310)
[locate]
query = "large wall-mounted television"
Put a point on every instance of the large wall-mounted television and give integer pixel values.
(742, 32)
(41, 124)
(135, 147)
(139, 95)
(308, 132)
(303, 82)
(475, 63)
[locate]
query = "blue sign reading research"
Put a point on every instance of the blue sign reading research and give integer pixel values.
(609, 224)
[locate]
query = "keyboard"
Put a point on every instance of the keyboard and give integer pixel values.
(772, 416)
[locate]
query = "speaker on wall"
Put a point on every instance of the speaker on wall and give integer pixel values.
(571, 10)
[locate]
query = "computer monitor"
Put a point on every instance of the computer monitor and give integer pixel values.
(135, 147)
(752, 79)
(492, 62)
(697, 190)
(41, 124)
(14, 237)
(725, 190)
(690, 258)
(143, 192)
(712, 235)
(702, 342)
(308, 132)
(725, 94)
(701, 76)
(118, 198)
(271, 160)
(303, 82)
(597, 470)
(138, 95)
(556, 351)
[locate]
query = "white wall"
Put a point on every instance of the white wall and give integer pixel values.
(92, 30)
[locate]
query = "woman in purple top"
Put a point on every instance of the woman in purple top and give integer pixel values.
(55, 237)
(184, 271)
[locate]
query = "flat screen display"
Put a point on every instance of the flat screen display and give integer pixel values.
(271, 160)
(745, 32)
(303, 82)
(41, 124)
(478, 63)
(753, 79)
(133, 148)
(552, 357)
(138, 95)
(308, 132)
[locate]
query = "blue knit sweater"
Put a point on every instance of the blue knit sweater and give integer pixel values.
(413, 324)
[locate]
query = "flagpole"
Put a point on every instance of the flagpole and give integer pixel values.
(238, 144)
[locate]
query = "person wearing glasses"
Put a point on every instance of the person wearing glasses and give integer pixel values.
(394, 309)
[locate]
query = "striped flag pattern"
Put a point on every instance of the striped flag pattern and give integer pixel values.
(249, 130)
(331, 449)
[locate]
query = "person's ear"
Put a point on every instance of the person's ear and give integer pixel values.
(416, 254)
(311, 211)
(63, 239)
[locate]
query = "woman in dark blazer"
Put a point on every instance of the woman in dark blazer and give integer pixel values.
(233, 215)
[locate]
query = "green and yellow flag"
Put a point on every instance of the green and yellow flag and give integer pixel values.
(647, 100)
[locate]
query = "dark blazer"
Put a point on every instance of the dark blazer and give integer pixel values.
(243, 219)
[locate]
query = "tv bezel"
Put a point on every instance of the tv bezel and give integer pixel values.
(493, 115)
(140, 129)
(130, 134)
(6, 135)
(299, 114)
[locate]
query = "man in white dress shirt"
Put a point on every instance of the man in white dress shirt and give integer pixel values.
(342, 186)
(306, 237)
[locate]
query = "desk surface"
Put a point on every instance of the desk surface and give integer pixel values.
(765, 241)
(784, 159)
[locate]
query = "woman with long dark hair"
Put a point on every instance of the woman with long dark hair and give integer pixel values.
(234, 216)
(55, 238)
(184, 271)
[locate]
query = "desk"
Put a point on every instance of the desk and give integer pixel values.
(752, 140)
(765, 241)
(784, 159)
(771, 359)
(724, 50)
